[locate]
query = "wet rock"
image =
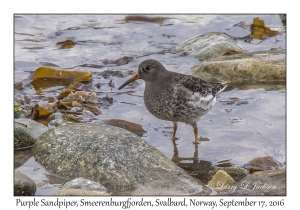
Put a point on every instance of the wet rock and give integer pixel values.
(262, 183)
(263, 66)
(85, 184)
(209, 45)
(57, 121)
(21, 156)
(236, 173)
(78, 192)
(112, 156)
(130, 126)
(262, 164)
(283, 18)
(221, 181)
(121, 61)
(81, 186)
(26, 131)
(23, 185)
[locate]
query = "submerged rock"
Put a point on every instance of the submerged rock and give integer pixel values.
(26, 131)
(210, 45)
(263, 66)
(81, 186)
(262, 183)
(114, 157)
(23, 185)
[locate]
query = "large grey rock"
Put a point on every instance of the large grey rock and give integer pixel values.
(271, 183)
(26, 131)
(263, 66)
(114, 157)
(23, 185)
(209, 45)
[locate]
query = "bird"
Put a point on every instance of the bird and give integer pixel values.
(176, 97)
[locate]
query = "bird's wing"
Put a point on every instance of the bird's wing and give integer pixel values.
(197, 85)
(218, 87)
(200, 86)
(196, 92)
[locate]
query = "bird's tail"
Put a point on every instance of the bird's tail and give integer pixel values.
(219, 87)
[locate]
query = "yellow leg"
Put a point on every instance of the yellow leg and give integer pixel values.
(196, 135)
(174, 131)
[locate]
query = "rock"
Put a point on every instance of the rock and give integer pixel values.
(81, 186)
(221, 181)
(23, 185)
(283, 18)
(79, 192)
(236, 173)
(85, 184)
(209, 45)
(21, 157)
(112, 156)
(262, 164)
(263, 66)
(26, 131)
(262, 183)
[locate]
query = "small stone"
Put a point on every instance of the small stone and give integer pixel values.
(221, 181)
(81, 186)
(235, 172)
(23, 185)
(263, 163)
(26, 131)
(262, 183)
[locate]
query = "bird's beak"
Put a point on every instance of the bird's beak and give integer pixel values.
(133, 78)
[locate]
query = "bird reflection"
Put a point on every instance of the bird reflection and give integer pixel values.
(176, 159)
(200, 169)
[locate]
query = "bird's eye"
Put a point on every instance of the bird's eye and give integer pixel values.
(147, 68)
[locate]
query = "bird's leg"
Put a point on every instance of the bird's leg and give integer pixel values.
(196, 134)
(195, 159)
(174, 130)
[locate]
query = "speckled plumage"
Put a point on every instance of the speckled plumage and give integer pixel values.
(176, 97)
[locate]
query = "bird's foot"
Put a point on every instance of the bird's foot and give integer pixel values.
(174, 138)
(196, 142)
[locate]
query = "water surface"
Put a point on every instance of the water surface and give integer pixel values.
(245, 122)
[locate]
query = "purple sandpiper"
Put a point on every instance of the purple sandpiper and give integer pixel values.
(176, 97)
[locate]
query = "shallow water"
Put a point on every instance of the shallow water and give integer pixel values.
(245, 122)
